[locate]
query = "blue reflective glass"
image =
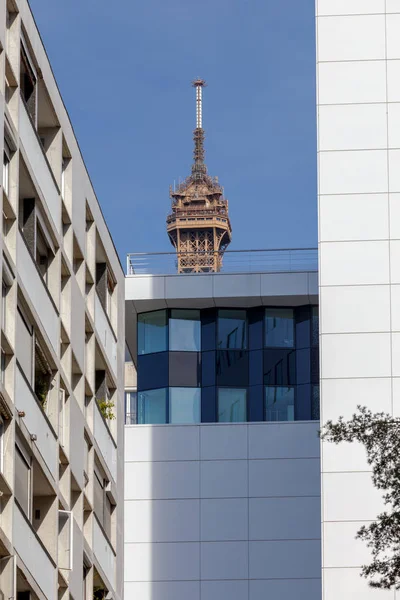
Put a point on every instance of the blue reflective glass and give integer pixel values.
(279, 403)
(184, 405)
(315, 411)
(152, 407)
(315, 326)
(185, 331)
(232, 330)
(279, 328)
(152, 332)
(232, 405)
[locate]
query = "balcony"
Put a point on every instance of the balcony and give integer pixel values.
(33, 555)
(284, 260)
(105, 442)
(39, 165)
(38, 293)
(37, 423)
(104, 553)
(105, 334)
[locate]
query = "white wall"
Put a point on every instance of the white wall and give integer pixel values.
(222, 512)
(358, 93)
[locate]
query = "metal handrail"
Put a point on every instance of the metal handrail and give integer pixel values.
(234, 261)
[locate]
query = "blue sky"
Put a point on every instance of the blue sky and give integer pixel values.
(124, 70)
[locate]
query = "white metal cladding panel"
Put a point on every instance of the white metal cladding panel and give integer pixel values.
(105, 333)
(37, 424)
(39, 166)
(105, 443)
(188, 518)
(34, 556)
(37, 293)
(104, 553)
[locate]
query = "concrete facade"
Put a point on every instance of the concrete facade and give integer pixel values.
(358, 94)
(62, 345)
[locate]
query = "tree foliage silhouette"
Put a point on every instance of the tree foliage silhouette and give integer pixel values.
(379, 433)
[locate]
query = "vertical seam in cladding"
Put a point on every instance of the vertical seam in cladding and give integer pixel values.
(200, 505)
(248, 513)
(320, 307)
(388, 201)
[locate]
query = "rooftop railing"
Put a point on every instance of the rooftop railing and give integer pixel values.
(282, 260)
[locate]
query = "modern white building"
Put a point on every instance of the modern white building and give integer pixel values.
(358, 95)
(62, 345)
(222, 468)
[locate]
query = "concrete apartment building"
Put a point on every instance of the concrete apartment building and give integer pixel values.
(62, 345)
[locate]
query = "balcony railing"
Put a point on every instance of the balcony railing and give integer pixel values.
(282, 260)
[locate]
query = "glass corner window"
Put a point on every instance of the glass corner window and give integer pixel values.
(279, 328)
(232, 330)
(152, 407)
(315, 326)
(184, 405)
(279, 403)
(152, 332)
(185, 330)
(232, 405)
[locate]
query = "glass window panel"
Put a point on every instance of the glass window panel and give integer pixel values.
(130, 408)
(185, 331)
(152, 332)
(232, 405)
(279, 327)
(279, 403)
(315, 413)
(22, 482)
(232, 332)
(315, 326)
(152, 407)
(184, 405)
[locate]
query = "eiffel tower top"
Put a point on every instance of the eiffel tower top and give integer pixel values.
(199, 226)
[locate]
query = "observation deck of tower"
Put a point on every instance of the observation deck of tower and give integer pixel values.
(198, 225)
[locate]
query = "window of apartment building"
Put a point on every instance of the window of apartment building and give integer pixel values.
(131, 407)
(279, 403)
(101, 503)
(279, 328)
(4, 291)
(185, 331)
(63, 169)
(232, 405)
(43, 375)
(28, 81)
(3, 365)
(24, 350)
(105, 285)
(232, 330)
(86, 449)
(6, 167)
(1, 444)
(36, 236)
(23, 484)
(152, 332)
(43, 254)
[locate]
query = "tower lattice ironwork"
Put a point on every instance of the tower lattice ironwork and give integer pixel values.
(198, 225)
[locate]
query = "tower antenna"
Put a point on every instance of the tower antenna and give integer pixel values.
(199, 169)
